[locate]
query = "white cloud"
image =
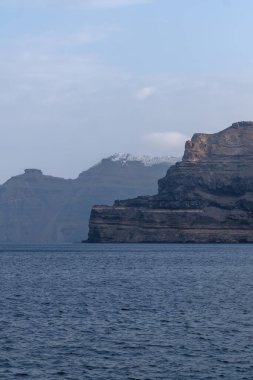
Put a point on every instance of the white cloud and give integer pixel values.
(53, 41)
(63, 112)
(170, 141)
(145, 92)
(112, 3)
(96, 4)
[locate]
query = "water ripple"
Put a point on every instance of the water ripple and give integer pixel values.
(126, 312)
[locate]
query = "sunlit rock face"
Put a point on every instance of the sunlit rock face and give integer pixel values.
(207, 197)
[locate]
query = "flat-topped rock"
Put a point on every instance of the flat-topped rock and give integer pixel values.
(33, 172)
(207, 197)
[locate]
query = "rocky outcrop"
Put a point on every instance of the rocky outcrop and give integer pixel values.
(207, 197)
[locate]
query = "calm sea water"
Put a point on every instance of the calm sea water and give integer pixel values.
(122, 312)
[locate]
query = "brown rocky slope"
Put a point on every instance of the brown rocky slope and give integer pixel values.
(207, 197)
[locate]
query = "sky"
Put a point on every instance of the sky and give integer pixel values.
(83, 79)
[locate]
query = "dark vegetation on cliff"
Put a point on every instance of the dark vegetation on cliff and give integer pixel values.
(207, 197)
(37, 208)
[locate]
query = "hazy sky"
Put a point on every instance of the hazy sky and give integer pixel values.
(83, 79)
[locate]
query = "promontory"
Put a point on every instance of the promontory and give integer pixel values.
(205, 198)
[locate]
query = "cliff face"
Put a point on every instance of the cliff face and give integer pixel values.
(207, 197)
(37, 208)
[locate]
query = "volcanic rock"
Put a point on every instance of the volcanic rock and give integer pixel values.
(205, 198)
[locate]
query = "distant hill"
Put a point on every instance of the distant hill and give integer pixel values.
(38, 208)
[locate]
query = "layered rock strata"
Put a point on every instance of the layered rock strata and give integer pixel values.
(207, 197)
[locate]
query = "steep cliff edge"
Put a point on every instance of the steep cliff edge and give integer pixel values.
(207, 197)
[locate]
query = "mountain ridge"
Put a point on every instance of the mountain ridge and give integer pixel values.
(39, 208)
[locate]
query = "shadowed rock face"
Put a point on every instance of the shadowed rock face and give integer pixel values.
(37, 208)
(207, 197)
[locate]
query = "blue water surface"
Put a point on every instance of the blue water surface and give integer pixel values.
(126, 312)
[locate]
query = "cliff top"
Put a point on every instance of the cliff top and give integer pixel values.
(234, 141)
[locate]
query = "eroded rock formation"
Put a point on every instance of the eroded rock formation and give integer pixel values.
(207, 197)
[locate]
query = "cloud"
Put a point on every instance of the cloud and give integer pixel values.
(112, 3)
(170, 141)
(63, 112)
(145, 92)
(95, 4)
(53, 41)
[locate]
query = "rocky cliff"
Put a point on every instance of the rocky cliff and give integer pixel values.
(207, 197)
(38, 208)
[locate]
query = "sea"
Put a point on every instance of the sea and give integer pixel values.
(126, 312)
